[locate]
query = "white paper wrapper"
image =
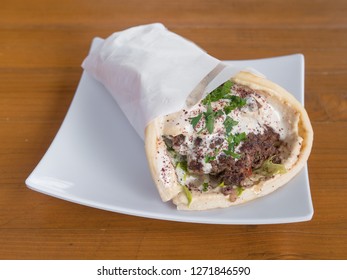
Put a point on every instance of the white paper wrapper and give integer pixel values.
(151, 72)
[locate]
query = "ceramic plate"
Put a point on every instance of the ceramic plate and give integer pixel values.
(98, 160)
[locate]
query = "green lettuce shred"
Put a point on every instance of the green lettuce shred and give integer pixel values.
(183, 165)
(269, 168)
(188, 194)
(239, 190)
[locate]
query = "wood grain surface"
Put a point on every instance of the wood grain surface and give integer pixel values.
(42, 45)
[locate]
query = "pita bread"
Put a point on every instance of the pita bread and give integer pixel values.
(164, 172)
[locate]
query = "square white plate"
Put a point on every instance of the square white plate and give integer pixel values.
(98, 160)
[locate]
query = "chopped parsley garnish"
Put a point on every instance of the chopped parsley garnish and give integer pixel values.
(209, 158)
(194, 121)
(224, 92)
(220, 92)
(232, 102)
(205, 187)
(231, 153)
(228, 124)
(235, 102)
(239, 137)
(233, 142)
(209, 117)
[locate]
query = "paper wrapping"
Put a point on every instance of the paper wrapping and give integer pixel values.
(151, 71)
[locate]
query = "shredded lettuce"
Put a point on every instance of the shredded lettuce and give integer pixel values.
(188, 194)
(239, 190)
(221, 184)
(183, 169)
(269, 168)
(183, 165)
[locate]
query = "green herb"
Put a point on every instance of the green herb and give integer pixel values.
(205, 187)
(237, 101)
(235, 139)
(231, 153)
(220, 92)
(210, 117)
(239, 137)
(209, 110)
(221, 184)
(228, 124)
(224, 92)
(268, 168)
(233, 142)
(188, 194)
(194, 121)
(209, 158)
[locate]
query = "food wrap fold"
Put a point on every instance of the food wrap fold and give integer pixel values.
(151, 71)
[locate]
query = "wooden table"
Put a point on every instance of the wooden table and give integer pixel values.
(42, 46)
